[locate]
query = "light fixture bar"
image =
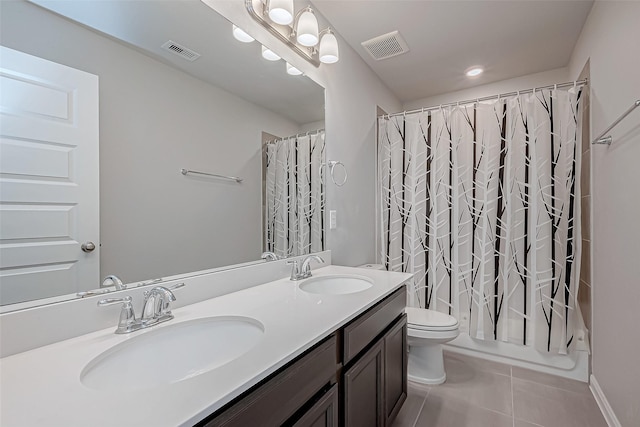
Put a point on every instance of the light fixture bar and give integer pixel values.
(309, 54)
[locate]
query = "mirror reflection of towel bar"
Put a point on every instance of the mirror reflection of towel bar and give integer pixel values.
(230, 178)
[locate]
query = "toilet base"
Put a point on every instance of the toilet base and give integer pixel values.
(425, 381)
(426, 364)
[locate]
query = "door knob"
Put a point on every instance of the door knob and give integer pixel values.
(88, 246)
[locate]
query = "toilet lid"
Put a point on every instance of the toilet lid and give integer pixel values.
(420, 318)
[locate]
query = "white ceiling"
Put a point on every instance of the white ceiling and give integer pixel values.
(509, 38)
(226, 63)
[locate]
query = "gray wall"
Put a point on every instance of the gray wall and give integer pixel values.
(155, 120)
(609, 41)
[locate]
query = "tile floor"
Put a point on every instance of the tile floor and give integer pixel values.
(480, 393)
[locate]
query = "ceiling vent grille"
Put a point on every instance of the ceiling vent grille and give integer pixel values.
(181, 51)
(386, 46)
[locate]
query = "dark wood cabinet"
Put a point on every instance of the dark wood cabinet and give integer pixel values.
(375, 386)
(363, 390)
(395, 369)
(357, 377)
(324, 413)
(275, 401)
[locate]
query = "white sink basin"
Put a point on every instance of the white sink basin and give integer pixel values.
(172, 353)
(336, 284)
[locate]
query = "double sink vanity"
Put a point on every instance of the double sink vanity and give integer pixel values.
(326, 350)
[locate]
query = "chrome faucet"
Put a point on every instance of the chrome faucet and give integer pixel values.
(156, 309)
(269, 256)
(113, 280)
(128, 322)
(303, 271)
(157, 305)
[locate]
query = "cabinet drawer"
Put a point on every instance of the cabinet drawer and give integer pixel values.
(363, 330)
(278, 399)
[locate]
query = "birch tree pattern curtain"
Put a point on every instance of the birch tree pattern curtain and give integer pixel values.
(294, 195)
(480, 201)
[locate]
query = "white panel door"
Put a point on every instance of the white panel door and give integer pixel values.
(49, 195)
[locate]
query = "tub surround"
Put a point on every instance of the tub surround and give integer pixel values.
(294, 321)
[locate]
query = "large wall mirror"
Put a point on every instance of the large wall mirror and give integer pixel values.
(229, 112)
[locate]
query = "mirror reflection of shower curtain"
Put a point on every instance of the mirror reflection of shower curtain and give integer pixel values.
(481, 202)
(294, 211)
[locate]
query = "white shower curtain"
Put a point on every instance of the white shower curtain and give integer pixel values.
(294, 195)
(481, 202)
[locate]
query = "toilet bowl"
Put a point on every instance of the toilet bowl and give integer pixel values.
(427, 330)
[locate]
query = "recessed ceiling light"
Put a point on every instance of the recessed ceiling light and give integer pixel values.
(474, 71)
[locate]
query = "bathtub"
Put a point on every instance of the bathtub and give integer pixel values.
(574, 365)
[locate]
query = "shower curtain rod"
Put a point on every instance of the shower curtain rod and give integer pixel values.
(313, 132)
(487, 98)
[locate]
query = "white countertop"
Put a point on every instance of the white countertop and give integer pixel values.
(43, 387)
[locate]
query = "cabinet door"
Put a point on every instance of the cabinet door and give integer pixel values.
(324, 413)
(395, 369)
(364, 388)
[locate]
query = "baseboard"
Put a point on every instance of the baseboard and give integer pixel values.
(603, 403)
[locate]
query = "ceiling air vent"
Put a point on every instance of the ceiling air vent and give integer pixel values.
(181, 51)
(386, 46)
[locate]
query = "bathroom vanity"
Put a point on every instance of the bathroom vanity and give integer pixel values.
(358, 375)
(317, 354)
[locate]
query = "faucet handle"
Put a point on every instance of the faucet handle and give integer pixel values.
(177, 286)
(128, 322)
(111, 301)
(295, 269)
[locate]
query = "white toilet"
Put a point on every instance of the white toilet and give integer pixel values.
(427, 330)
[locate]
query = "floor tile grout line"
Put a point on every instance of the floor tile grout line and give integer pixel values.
(552, 386)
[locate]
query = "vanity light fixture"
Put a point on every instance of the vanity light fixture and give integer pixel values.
(328, 47)
(293, 71)
(269, 55)
(281, 11)
(474, 71)
(241, 35)
(301, 33)
(307, 28)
